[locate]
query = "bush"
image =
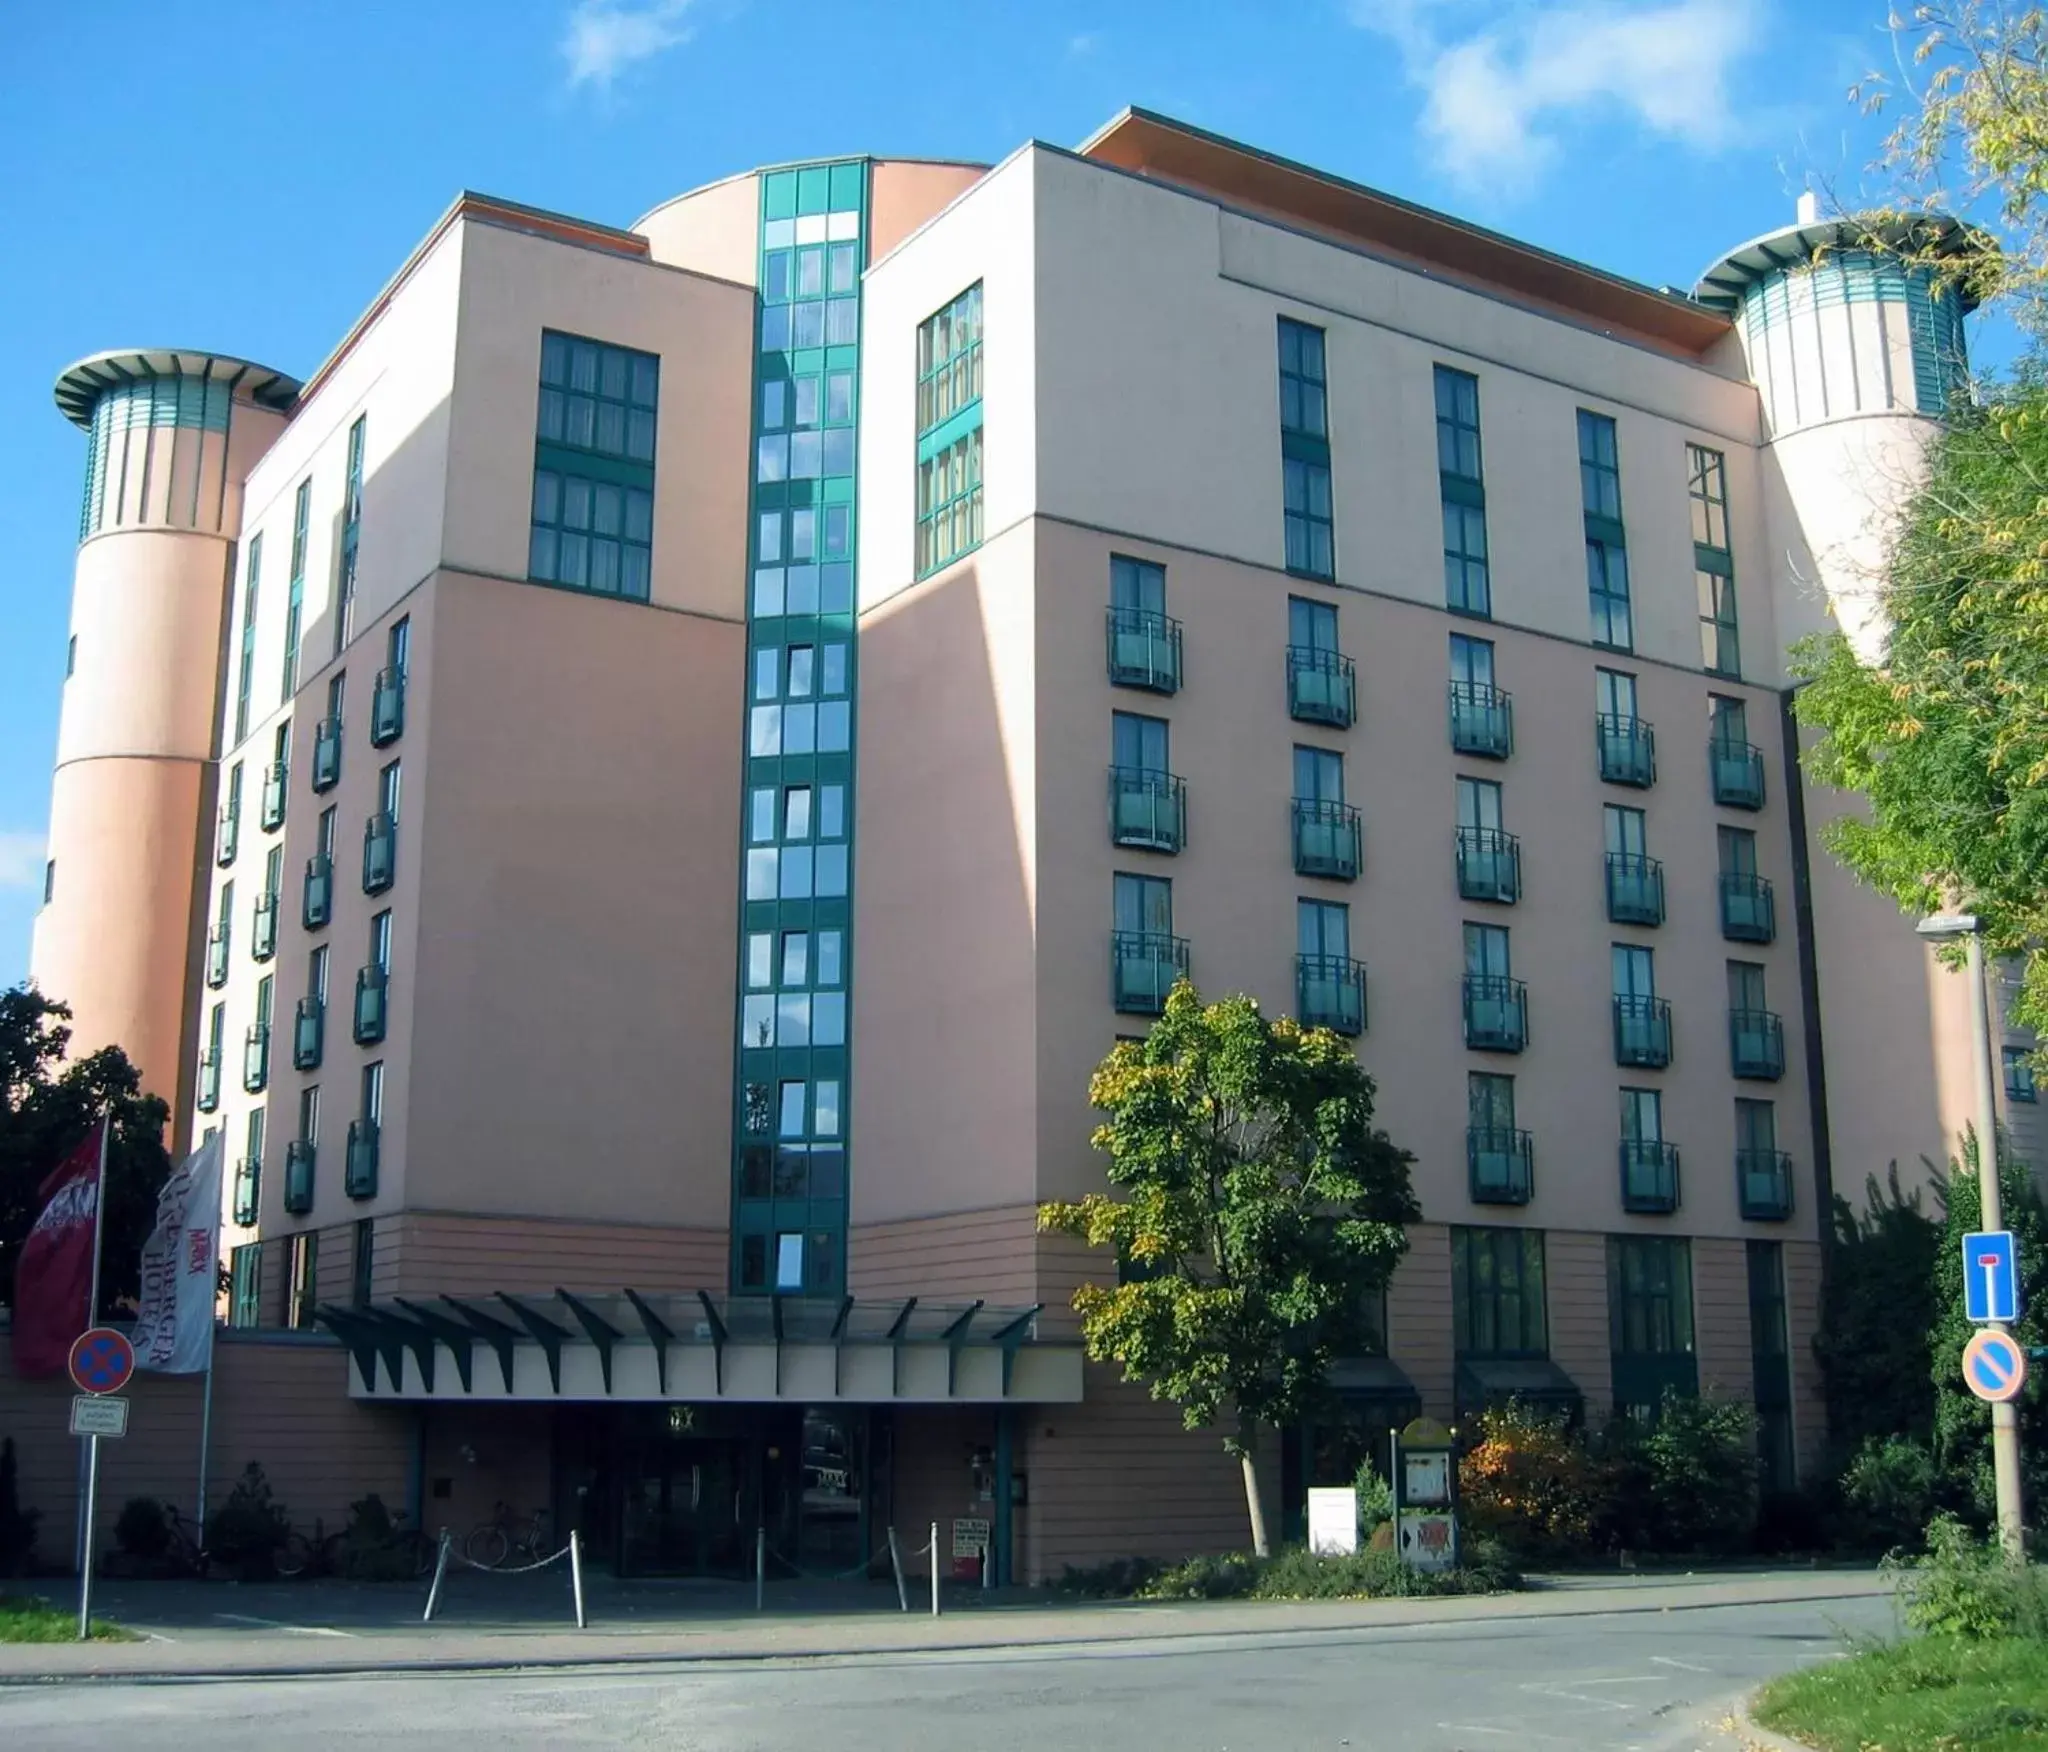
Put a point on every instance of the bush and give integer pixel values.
(17, 1525)
(1965, 1587)
(248, 1530)
(142, 1532)
(1375, 1499)
(1888, 1494)
(1122, 1578)
(1530, 1483)
(1293, 1574)
(370, 1549)
(1687, 1483)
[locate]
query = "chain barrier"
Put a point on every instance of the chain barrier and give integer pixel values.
(448, 1553)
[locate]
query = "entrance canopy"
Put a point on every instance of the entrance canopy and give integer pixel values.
(627, 1346)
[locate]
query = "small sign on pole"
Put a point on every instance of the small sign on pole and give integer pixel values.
(1995, 1366)
(101, 1360)
(93, 1415)
(1991, 1276)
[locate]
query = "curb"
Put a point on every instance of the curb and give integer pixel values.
(1756, 1739)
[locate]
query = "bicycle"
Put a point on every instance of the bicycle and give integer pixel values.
(182, 1552)
(491, 1543)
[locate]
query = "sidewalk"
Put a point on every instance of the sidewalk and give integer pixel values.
(199, 1630)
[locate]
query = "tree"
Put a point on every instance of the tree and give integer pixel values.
(46, 1106)
(1260, 1212)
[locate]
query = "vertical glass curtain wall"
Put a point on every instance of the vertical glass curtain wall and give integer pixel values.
(790, 1102)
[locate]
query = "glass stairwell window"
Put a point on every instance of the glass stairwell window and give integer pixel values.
(1735, 764)
(1329, 986)
(949, 424)
(1627, 746)
(1489, 858)
(1482, 715)
(1713, 565)
(1144, 645)
(1500, 1159)
(1635, 880)
(1496, 1004)
(1749, 911)
(1642, 1020)
(1649, 1165)
(1309, 529)
(1147, 804)
(1756, 1033)
(1145, 957)
(1327, 837)
(1649, 1313)
(1322, 683)
(593, 470)
(1606, 543)
(1468, 589)
(1763, 1172)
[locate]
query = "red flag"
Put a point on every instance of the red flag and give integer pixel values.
(53, 1276)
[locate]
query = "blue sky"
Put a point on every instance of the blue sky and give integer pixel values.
(244, 175)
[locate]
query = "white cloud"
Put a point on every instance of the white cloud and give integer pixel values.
(1084, 44)
(21, 861)
(604, 38)
(1501, 82)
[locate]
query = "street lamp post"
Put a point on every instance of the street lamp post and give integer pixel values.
(2005, 1416)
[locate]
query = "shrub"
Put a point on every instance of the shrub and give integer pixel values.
(17, 1525)
(1118, 1579)
(1687, 1483)
(1965, 1587)
(142, 1532)
(1529, 1483)
(1375, 1499)
(249, 1529)
(1293, 1574)
(1888, 1494)
(370, 1549)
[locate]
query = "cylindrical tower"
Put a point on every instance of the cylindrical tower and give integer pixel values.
(173, 437)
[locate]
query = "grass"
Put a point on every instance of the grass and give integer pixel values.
(27, 1618)
(1931, 1694)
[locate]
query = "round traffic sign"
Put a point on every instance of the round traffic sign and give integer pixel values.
(101, 1360)
(1994, 1365)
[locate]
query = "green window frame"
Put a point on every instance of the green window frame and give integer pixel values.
(949, 361)
(1756, 1126)
(1770, 1351)
(1308, 523)
(245, 1285)
(245, 674)
(1497, 1292)
(295, 589)
(351, 532)
(2018, 1063)
(592, 517)
(1322, 928)
(363, 1273)
(949, 423)
(1606, 542)
(1713, 561)
(1649, 1295)
(1468, 587)
(1737, 847)
(949, 509)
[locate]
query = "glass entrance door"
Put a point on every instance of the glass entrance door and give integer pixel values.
(685, 1507)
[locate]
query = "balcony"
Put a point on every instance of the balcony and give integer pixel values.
(317, 900)
(274, 776)
(1628, 749)
(298, 1177)
(1501, 1164)
(1329, 992)
(1143, 966)
(380, 853)
(309, 1033)
(1749, 910)
(387, 708)
(248, 1191)
(1649, 1176)
(1489, 865)
(1635, 889)
(1148, 809)
(256, 1058)
(1763, 1183)
(1756, 1045)
(263, 928)
(372, 990)
(1482, 720)
(1144, 650)
(1496, 1013)
(1737, 770)
(1642, 1032)
(1322, 687)
(208, 1095)
(359, 1178)
(217, 956)
(326, 754)
(227, 837)
(1326, 840)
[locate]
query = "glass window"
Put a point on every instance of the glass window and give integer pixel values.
(949, 503)
(1728, 723)
(1311, 626)
(1497, 1302)
(1746, 986)
(1607, 590)
(1322, 927)
(1627, 832)
(1308, 526)
(1635, 974)
(1713, 563)
(1479, 804)
(593, 522)
(949, 360)
(1318, 775)
(1486, 952)
(2019, 1073)
(1471, 661)
(1599, 466)
(1138, 743)
(1467, 586)
(1614, 693)
(1303, 406)
(1642, 1116)
(1143, 904)
(828, 958)
(1137, 586)
(1756, 1127)
(1738, 851)
(1649, 1294)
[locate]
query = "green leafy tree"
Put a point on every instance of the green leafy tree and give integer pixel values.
(1254, 1212)
(46, 1106)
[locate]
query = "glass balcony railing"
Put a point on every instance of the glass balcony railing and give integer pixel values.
(217, 956)
(1482, 720)
(298, 1176)
(1327, 840)
(274, 777)
(317, 899)
(1642, 1032)
(256, 1058)
(263, 928)
(1628, 749)
(1148, 809)
(309, 1033)
(248, 1191)
(1763, 1183)
(1489, 865)
(227, 837)
(1737, 769)
(1749, 910)
(1143, 966)
(1649, 1175)
(1501, 1163)
(1329, 992)
(380, 853)
(1635, 889)
(1496, 1013)
(359, 1178)
(387, 708)
(208, 1095)
(326, 754)
(1756, 1045)
(1322, 687)
(372, 989)
(1144, 650)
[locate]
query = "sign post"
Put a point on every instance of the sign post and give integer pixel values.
(102, 1360)
(1426, 1496)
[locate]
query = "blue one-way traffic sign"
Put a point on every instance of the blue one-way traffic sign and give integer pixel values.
(1991, 1276)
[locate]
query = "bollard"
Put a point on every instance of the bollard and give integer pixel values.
(576, 1574)
(988, 1567)
(760, 1569)
(935, 1569)
(440, 1569)
(896, 1569)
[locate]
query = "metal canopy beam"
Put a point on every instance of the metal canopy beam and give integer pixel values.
(658, 1334)
(358, 1335)
(460, 1340)
(493, 1331)
(602, 1332)
(546, 1334)
(838, 1340)
(718, 1338)
(955, 1337)
(1012, 1334)
(896, 1327)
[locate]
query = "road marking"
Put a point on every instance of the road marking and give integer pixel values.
(288, 1629)
(1683, 1666)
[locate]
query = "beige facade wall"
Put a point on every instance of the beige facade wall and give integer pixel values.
(1419, 1335)
(1720, 1301)
(1581, 1342)
(472, 1253)
(713, 230)
(905, 193)
(973, 1255)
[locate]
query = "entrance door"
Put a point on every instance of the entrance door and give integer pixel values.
(685, 1508)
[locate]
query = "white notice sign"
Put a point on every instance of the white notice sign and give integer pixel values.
(1333, 1522)
(93, 1415)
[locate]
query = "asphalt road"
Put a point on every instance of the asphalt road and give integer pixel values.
(1652, 1681)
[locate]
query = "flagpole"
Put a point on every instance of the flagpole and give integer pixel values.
(88, 1463)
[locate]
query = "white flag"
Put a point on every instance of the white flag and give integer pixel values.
(180, 1267)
